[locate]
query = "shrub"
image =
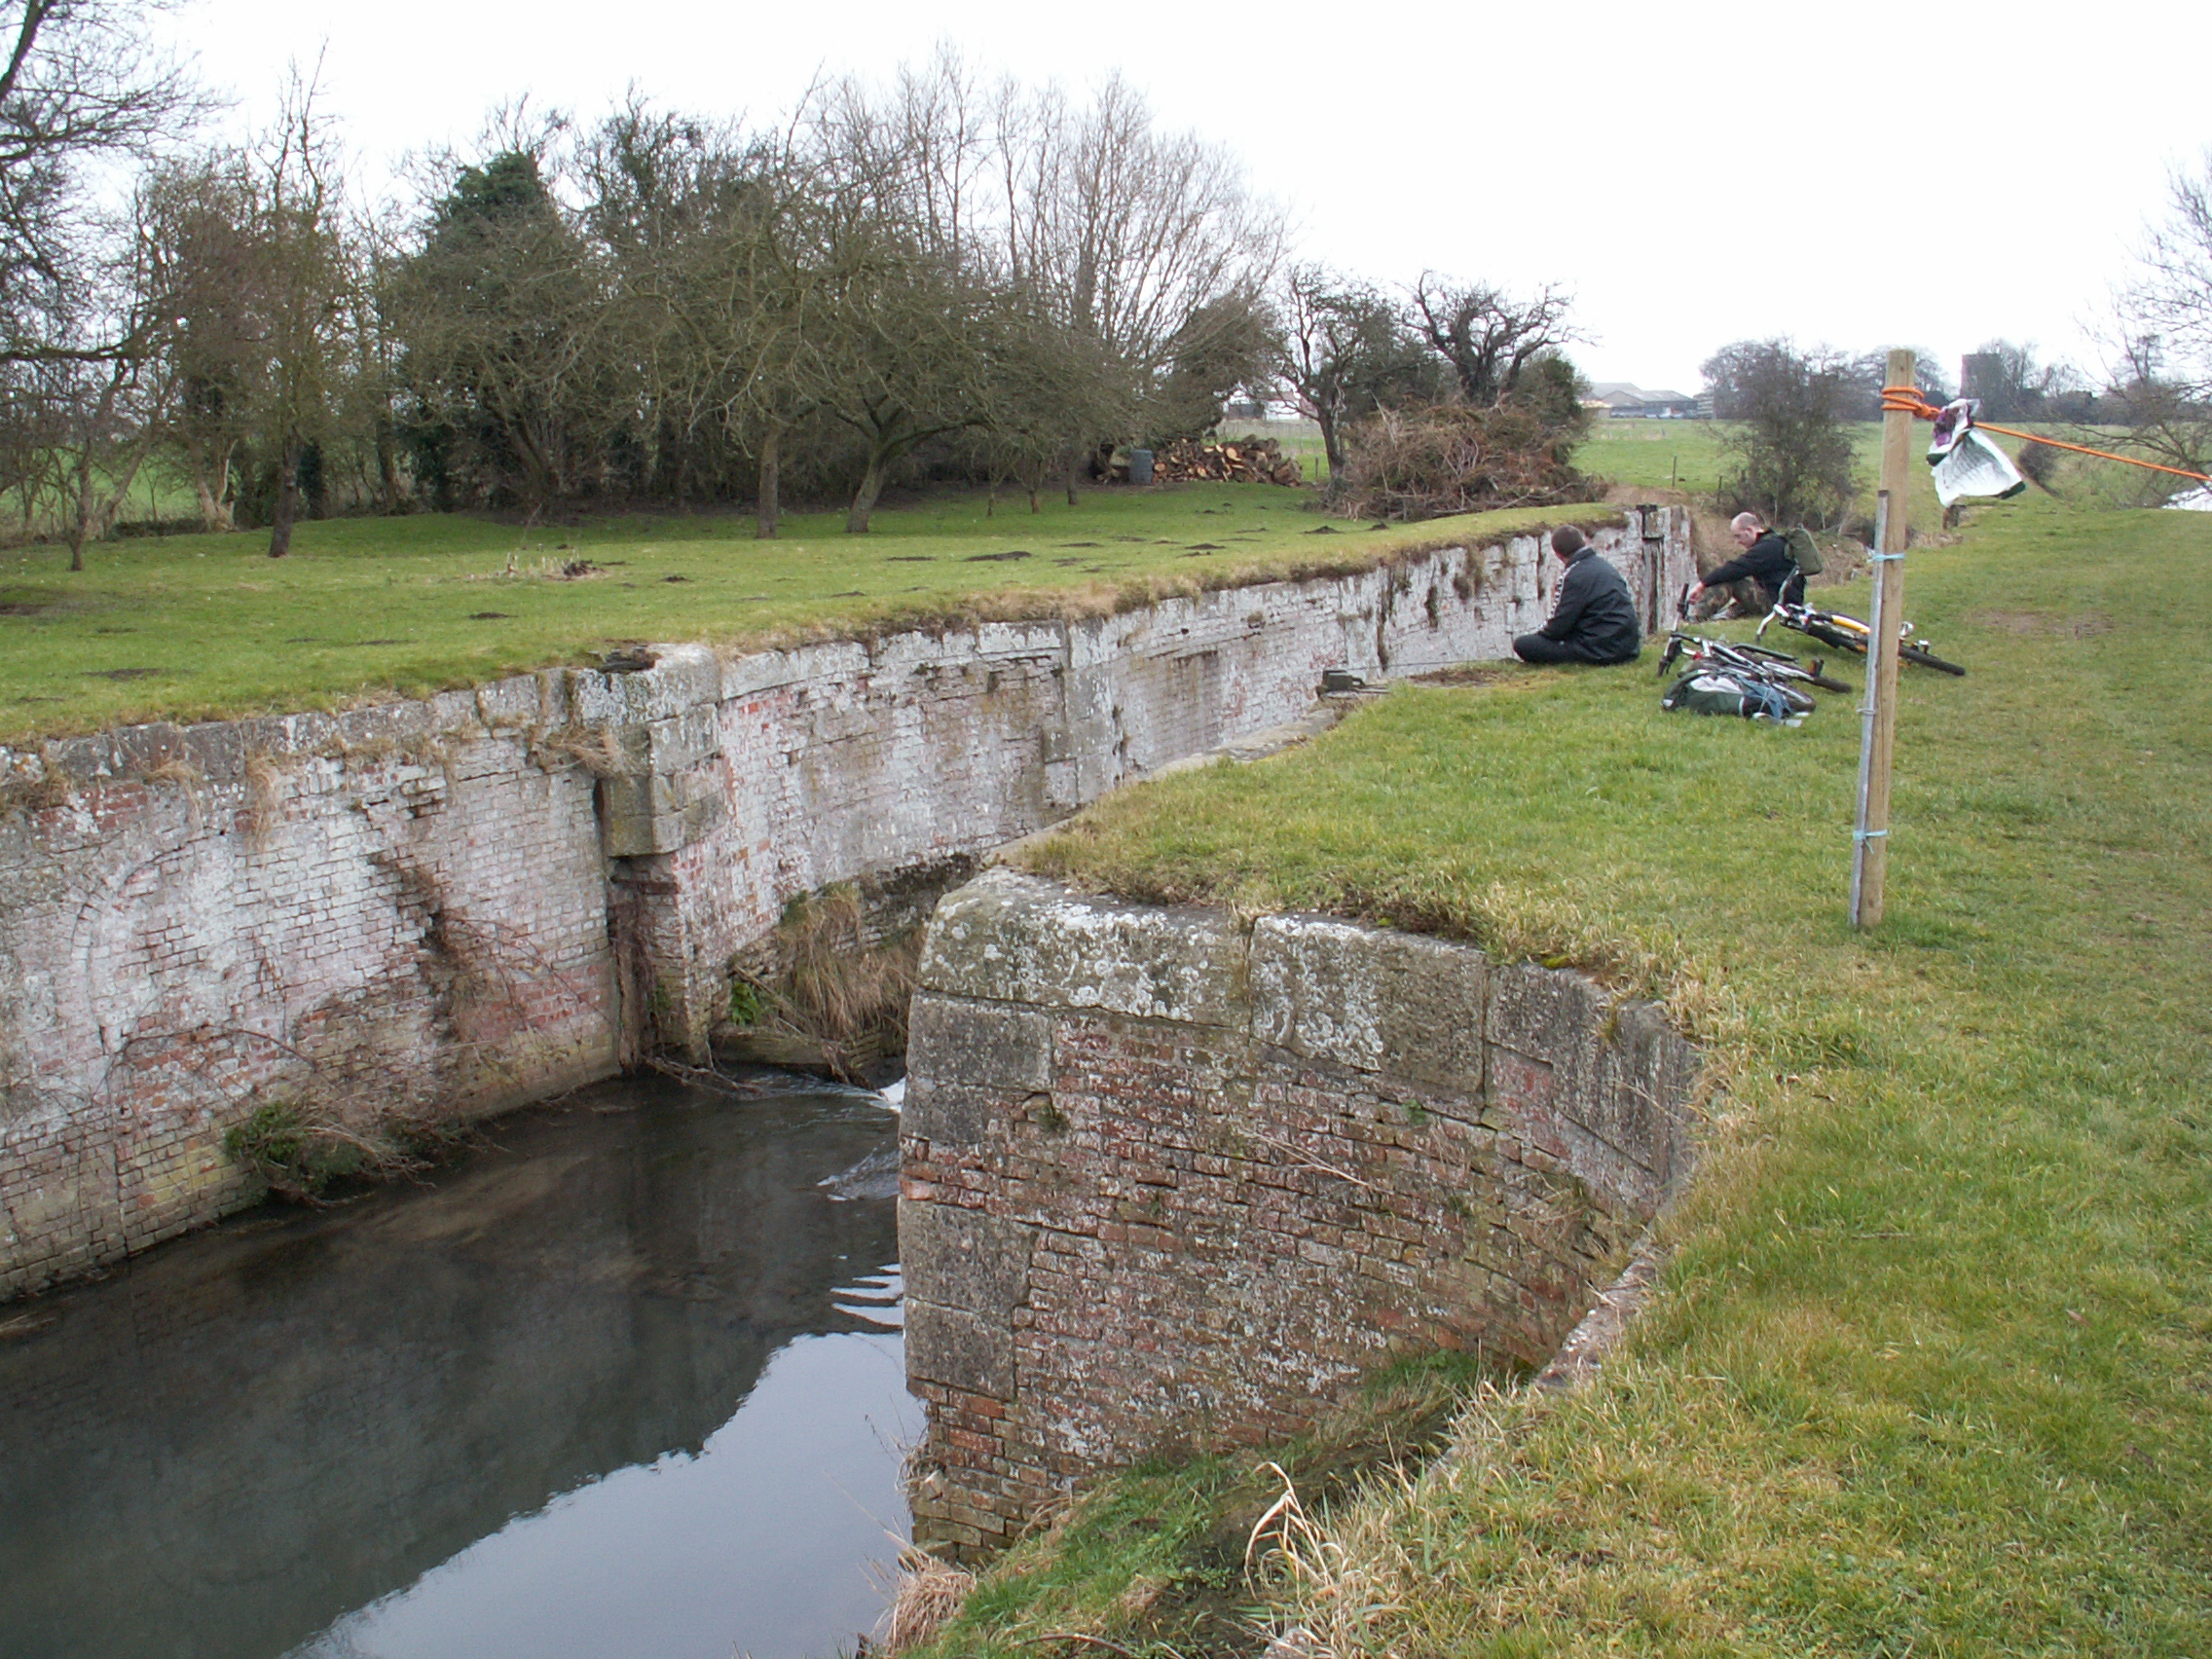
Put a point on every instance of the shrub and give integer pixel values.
(1423, 462)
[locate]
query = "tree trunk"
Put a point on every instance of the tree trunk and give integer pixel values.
(1073, 500)
(863, 498)
(213, 515)
(388, 467)
(287, 500)
(80, 521)
(1332, 446)
(771, 459)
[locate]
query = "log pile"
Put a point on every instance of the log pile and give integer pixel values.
(1238, 461)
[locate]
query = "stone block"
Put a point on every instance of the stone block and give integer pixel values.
(1550, 1016)
(1011, 937)
(979, 1044)
(508, 705)
(385, 725)
(963, 1258)
(960, 1349)
(675, 744)
(1372, 998)
(956, 1114)
(659, 813)
(683, 677)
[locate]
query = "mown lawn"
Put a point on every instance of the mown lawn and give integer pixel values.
(193, 627)
(1930, 1371)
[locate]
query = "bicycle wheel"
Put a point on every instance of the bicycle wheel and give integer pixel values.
(1928, 659)
(1835, 636)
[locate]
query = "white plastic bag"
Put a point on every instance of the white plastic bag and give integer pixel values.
(1974, 466)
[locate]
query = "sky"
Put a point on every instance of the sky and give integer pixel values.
(1862, 174)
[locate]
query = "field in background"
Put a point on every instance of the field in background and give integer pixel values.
(1932, 1369)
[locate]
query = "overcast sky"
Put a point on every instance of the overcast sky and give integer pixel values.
(1865, 173)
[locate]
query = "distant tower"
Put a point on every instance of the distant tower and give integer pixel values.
(1981, 374)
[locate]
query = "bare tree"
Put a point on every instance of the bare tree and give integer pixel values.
(79, 86)
(2162, 373)
(1347, 353)
(1487, 336)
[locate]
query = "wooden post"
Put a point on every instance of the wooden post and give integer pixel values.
(1871, 838)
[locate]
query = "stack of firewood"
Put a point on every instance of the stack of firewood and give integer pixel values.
(1237, 461)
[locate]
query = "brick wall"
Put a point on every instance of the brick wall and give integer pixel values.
(1175, 1181)
(455, 905)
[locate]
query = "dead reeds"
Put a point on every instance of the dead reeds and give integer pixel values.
(929, 1592)
(838, 994)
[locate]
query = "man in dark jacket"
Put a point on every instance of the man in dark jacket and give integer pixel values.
(1766, 560)
(1593, 617)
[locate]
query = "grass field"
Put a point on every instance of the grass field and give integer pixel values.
(1930, 1371)
(201, 627)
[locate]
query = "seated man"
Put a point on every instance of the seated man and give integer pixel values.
(1593, 617)
(1766, 560)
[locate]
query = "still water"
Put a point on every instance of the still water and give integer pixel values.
(627, 1383)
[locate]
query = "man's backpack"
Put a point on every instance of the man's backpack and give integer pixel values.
(1716, 692)
(1805, 549)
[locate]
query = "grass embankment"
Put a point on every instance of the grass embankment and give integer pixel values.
(201, 627)
(1930, 1371)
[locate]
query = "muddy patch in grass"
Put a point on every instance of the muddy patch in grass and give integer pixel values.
(1468, 673)
(2032, 623)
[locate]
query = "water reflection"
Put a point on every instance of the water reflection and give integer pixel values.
(629, 1384)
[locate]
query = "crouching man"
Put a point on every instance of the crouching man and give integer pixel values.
(1593, 617)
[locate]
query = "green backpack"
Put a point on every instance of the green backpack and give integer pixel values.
(1805, 549)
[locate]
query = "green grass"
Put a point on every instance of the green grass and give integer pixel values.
(1932, 1369)
(1158, 1555)
(195, 627)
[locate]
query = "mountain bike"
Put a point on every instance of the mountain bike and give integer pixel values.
(1848, 634)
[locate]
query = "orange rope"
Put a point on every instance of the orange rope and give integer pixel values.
(1907, 399)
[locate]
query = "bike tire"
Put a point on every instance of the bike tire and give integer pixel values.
(1928, 659)
(1835, 636)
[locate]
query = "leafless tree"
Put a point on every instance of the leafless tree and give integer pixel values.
(1487, 336)
(1348, 352)
(79, 86)
(2161, 371)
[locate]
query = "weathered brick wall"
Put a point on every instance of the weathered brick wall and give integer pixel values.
(391, 910)
(1170, 1180)
(455, 904)
(823, 763)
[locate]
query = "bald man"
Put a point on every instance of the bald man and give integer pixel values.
(1765, 559)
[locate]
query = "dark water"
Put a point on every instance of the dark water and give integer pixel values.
(628, 1383)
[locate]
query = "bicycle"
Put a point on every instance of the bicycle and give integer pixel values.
(1785, 673)
(1848, 633)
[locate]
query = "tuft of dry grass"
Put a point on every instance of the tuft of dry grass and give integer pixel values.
(263, 793)
(928, 1595)
(39, 789)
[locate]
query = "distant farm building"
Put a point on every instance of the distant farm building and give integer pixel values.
(1622, 401)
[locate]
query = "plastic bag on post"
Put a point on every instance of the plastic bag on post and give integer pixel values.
(1973, 465)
